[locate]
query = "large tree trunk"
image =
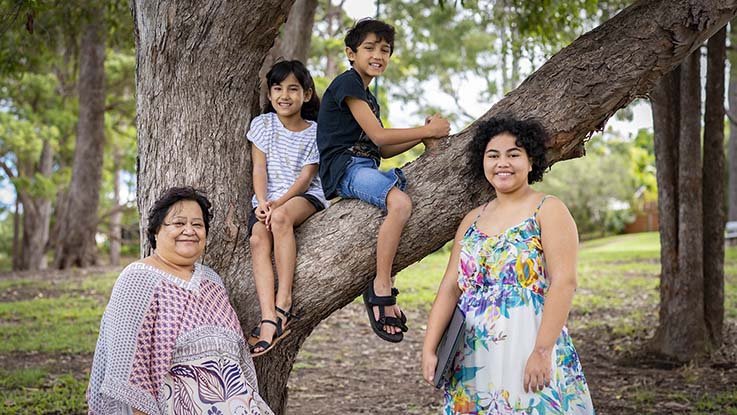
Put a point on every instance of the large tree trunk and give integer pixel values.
(29, 248)
(197, 86)
(77, 246)
(36, 217)
(686, 311)
(732, 98)
(665, 100)
(713, 188)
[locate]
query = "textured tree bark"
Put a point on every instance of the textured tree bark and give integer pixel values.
(36, 215)
(713, 188)
(76, 245)
(686, 310)
(732, 146)
(197, 89)
(665, 100)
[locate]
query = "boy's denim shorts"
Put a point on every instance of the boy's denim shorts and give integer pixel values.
(363, 180)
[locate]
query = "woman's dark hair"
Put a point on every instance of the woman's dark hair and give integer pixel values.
(161, 207)
(280, 71)
(530, 135)
(357, 34)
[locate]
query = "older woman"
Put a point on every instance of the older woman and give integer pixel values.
(170, 343)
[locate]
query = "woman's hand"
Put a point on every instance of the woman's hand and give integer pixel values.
(429, 363)
(538, 370)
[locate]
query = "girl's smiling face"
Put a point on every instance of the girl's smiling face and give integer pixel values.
(506, 165)
(287, 97)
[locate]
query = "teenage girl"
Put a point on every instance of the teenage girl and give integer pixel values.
(287, 192)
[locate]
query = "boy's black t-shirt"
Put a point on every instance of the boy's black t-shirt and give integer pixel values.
(338, 134)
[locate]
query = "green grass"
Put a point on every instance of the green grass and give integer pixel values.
(66, 324)
(33, 391)
(419, 283)
(721, 403)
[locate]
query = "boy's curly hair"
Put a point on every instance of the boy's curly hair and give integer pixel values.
(357, 34)
(530, 135)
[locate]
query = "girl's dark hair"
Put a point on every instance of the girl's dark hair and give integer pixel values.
(357, 34)
(280, 71)
(530, 135)
(160, 209)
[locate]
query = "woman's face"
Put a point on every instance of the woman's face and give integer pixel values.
(181, 237)
(506, 165)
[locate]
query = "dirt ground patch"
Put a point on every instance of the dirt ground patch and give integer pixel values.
(344, 368)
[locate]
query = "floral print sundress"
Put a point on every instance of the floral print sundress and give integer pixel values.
(503, 282)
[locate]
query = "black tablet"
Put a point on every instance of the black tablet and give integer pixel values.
(449, 345)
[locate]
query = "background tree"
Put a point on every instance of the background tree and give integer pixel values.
(41, 111)
(38, 116)
(191, 125)
(714, 171)
(116, 215)
(78, 217)
(732, 116)
(691, 206)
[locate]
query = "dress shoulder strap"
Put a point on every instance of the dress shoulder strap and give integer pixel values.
(539, 205)
(481, 212)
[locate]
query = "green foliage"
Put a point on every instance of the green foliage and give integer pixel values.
(33, 113)
(486, 45)
(38, 102)
(599, 189)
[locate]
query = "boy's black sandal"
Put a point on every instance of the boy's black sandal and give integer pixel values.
(402, 317)
(370, 300)
(267, 346)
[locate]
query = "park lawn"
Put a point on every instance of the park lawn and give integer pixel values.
(45, 322)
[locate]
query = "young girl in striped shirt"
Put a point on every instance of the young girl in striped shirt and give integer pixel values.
(287, 192)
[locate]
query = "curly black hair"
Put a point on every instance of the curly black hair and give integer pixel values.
(530, 134)
(160, 209)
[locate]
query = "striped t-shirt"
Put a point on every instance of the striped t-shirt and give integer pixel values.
(287, 152)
